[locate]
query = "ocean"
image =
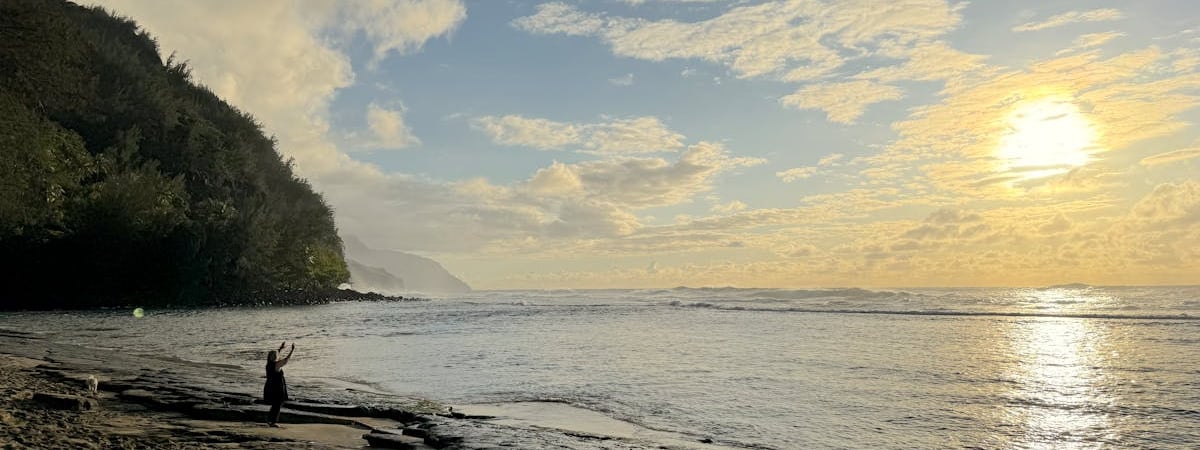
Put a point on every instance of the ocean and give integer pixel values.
(1059, 367)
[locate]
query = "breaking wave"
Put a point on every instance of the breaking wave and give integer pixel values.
(1180, 316)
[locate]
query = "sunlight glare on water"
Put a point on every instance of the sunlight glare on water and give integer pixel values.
(1059, 375)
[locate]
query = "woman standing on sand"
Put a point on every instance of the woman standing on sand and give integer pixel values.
(275, 391)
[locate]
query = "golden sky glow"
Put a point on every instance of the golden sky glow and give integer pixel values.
(1047, 137)
(764, 143)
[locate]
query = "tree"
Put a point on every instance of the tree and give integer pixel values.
(119, 172)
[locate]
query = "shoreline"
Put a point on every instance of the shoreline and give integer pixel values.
(166, 402)
(286, 297)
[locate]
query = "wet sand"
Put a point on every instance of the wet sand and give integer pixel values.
(112, 423)
(154, 402)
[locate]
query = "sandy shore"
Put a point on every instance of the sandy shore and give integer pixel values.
(117, 424)
(106, 421)
(153, 402)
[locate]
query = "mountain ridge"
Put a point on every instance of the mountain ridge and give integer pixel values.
(414, 272)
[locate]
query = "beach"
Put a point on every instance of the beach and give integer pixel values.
(147, 402)
(74, 418)
(112, 423)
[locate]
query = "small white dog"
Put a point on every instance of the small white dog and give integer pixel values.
(93, 385)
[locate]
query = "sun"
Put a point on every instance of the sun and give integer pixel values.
(1046, 137)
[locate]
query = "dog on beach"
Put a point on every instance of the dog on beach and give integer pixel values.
(93, 385)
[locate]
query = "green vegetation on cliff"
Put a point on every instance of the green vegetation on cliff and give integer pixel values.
(121, 181)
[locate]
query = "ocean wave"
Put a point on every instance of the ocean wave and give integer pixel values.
(787, 294)
(936, 312)
(616, 410)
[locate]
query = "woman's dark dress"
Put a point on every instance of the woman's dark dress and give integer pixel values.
(275, 392)
(276, 389)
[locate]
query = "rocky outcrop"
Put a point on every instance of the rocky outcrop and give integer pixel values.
(419, 274)
(383, 439)
(64, 401)
(369, 278)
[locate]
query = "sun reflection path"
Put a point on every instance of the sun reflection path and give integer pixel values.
(1060, 379)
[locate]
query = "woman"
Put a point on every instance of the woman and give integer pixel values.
(275, 392)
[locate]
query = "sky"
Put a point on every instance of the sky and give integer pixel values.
(662, 143)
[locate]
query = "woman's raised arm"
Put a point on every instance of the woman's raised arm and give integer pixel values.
(285, 359)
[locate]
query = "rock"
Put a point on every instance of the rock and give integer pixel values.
(415, 432)
(396, 414)
(222, 413)
(153, 400)
(330, 409)
(63, 401)
(706, 441)
(288, 415)
(442, 441)
(117, 386)
(389, 440)
(80, 443)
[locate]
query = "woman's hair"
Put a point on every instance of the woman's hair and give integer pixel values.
(271, 355)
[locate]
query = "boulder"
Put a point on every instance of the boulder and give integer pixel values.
(63, 401)
(442, 441)
(415, 432)
(388, 440)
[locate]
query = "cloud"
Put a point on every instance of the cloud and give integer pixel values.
(1096, 39)
(559, 203)
(785, 40)
(800, 173)
(1169, 204)
(649, 182)
(953, 216)
(389, 128)
(1161, 231)
(1095, 15)
(289, 77)
(273, 59)
(285, 64)
(925, 61)
(731, 207)
(842, 102)
(639, 2)
(624, 80)
(401, 26)
(521, 131)
(1171, 157)
(947, 224)
(618, 136)
(796, 174)
(560, 18)
(633, 135)
(1058, 224)
(558, 180)
(953, 144)
(798, 250)
(830, 159)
